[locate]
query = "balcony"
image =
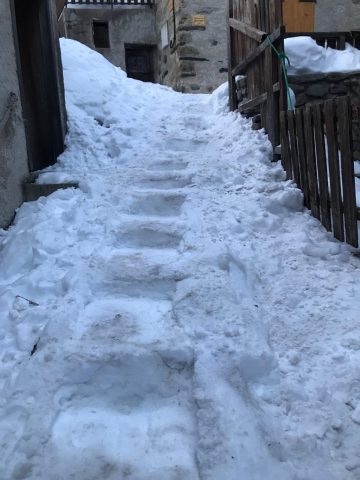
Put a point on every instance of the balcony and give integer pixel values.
(111, 3)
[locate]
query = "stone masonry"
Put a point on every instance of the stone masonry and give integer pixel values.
(337, 15)
(195, 59)
(311, 88)
(13, 153)
(127, 25)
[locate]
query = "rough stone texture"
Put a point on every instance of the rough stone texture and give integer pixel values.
(127, 25)
(197, 62)
(310, 88)
(337, 15)
(314, 88)
(13, 153)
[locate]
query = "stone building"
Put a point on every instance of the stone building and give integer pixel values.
(193, 44)
(32, 108)
(125, 34)
(339, 15)
(179, 43)
(321, 15)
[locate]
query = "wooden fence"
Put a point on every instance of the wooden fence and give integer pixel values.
(253, 26)
(317, 154)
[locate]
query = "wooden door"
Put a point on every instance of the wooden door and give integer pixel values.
(139, 62)
(299, 15)
(39, 87)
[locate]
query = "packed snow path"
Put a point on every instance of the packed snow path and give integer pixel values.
(180, 316)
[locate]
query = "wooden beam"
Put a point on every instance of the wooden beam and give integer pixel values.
(242, 66)
(247, 30)
(254, 102)
(276, 87)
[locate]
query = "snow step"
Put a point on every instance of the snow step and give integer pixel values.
(168, 165)
(148, 237)
(33, 191)
(166, 181)
(111, 412)
(166, 205)
(156, 289)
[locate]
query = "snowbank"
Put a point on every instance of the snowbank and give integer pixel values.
(306, 56)
(180, 316)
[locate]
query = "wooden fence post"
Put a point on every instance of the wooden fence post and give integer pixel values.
(311, 163)
(334, 169)
(347, 170)
(322, 167)
(230, 41)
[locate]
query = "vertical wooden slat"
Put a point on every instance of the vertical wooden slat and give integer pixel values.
(270, 104)
(322, 167)
(334, 170)
(285, 147)
(304, 182)
(232, 85)
(311, 163)
(293, 148)
(347, 170)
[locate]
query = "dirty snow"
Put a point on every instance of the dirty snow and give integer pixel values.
(180, 316)
(306, 56)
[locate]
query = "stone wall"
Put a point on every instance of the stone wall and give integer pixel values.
(127, 25)
(13, 152)
(337, 15)
(312, 88)
(197, 61)
(322, 86)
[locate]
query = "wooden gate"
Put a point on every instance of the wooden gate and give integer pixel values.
(317, 153)
(254, 26)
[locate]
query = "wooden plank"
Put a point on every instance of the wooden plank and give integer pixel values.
(293, 148)
(322, 167)
(299, 16)
(347, 170)
(334, 170)
(247, 30)
(250, 104)
(231, 78)
(304, 182)
(271, 122)
(241, 67)
(285, 146)
(277, 81)
(311, 163)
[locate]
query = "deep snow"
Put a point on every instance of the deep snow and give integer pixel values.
(191, 320)
(306, 56)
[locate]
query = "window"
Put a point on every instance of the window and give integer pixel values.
(101, 34)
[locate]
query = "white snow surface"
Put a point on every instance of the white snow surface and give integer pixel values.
(306, 56)
(191, 320)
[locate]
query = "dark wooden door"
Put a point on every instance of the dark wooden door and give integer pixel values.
(40, 90)
(139, 63)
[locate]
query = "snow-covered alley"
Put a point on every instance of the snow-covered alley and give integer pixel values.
(180, 316)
